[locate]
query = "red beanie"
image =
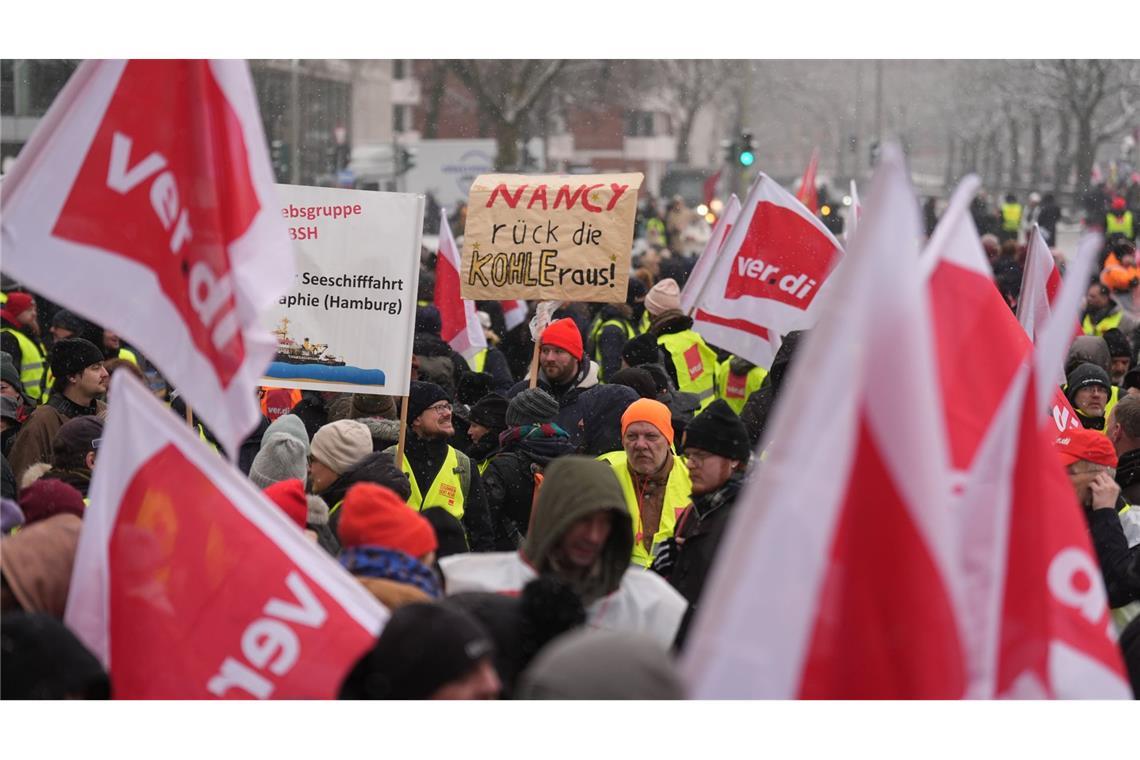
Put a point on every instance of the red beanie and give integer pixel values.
(564, 334)
(290, 496)
(18, 303)
(373, 515)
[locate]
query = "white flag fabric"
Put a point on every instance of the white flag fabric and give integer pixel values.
(145, 202)
(460, 324)
(514, 313)
(840, 586)
(695, 284)
(190, 584)
(776, 265)
(853, 217)
(1040, 283)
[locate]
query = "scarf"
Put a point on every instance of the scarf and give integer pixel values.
(516, 433)
(69, 408)
(391, 564)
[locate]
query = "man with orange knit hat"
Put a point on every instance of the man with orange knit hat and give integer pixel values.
(654, 482)
(564, 373)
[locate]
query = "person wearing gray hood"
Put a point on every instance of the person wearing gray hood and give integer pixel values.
(581, 531)
(1092, 349)
(593, 664)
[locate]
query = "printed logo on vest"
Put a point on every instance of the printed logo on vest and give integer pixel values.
(447, 491)
(736, 385)
(693, 362)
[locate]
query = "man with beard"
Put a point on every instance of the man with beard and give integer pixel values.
(439, 474)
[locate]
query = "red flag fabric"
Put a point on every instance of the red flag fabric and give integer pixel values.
(776, 260)
(1021, 532)
(709, 187)
(190, 584)
(145, 202)
(1040, 283)
(460, 323)
(808, 194)
(514, 313)
(839, 587)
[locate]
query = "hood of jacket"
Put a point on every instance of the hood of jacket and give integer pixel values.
(540, 449)
(590, 663)
(670, 321)
(1090, 349)
(376, 468)
(575, 487)
(602, 408)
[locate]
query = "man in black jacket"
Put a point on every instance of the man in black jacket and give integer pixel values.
(716, 450)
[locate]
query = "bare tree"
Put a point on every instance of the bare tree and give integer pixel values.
(687, 86)
(507, 91)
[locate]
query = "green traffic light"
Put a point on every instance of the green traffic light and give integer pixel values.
(746, 158)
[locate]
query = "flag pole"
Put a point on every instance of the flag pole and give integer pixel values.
(189, 416)
(534, 364)
(403, 431)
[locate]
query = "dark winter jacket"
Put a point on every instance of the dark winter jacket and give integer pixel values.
(568, 395)
(602, 408)
(1119, 564)
(426, 458)
(700, 529)
(313, 411)
(376, 468)
(1047, 220)
(612, 338)
(1128, 476)
(509, 479)
(757, 411)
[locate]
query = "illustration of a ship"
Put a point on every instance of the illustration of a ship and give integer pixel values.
(290, 351)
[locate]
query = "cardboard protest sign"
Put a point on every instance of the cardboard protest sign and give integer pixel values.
(346, 323)
(190, 584)
(549, 237)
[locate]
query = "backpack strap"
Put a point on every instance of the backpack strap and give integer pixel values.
(464, 470)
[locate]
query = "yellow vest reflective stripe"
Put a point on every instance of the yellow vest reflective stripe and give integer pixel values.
(446, 490)
(335, 507)
(129, 356)
(478, 361)
(1113, 397)
(1010, 216)
(678, 494)
(1109, 322)
(735, 389)
(695, 363)
(1121, 224)
(31, 365)
(482, 466)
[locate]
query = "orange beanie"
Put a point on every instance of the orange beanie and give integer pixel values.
(653, 412)
(373, 515)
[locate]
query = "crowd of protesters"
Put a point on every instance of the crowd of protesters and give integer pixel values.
(538, 538)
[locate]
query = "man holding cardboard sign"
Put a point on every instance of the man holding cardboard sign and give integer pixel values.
(549, 237)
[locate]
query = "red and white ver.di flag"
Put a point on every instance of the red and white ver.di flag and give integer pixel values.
(190, 584)
(145, 202)
(1040, 283)
(842, 586)
(514, 312)
(776, 264)
(704, 266)
(460, 324)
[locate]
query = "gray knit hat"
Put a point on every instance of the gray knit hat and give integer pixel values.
(281, 457)
(533, 406)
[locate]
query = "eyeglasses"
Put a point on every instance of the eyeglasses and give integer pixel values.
(95, 442)
(440, 408)
(697, 457)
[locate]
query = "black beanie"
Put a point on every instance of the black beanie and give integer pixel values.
(428, 320)
(635, 292)
(71, 356)
(43, 659)
(69, 320)
(641, 350)
(637, 378)
(718, 430)
(1085, 375)
(1118, 344)
(490, 412)
(423, 647)
(449, 532)
(421, 395)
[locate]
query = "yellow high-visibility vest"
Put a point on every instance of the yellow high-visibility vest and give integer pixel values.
(1108, 323)
(478, 361)
(678, 494)
(1011, 217)
(126, 353)
(31, 365)
(445, 491)
(1119, 224)
(735, 389)
(695, 363)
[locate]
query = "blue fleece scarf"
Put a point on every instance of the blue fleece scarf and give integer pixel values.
(391, 564)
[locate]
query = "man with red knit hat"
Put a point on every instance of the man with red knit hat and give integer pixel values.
(565, 372)
(656, 485)
(21, 341)
(1090, 459)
